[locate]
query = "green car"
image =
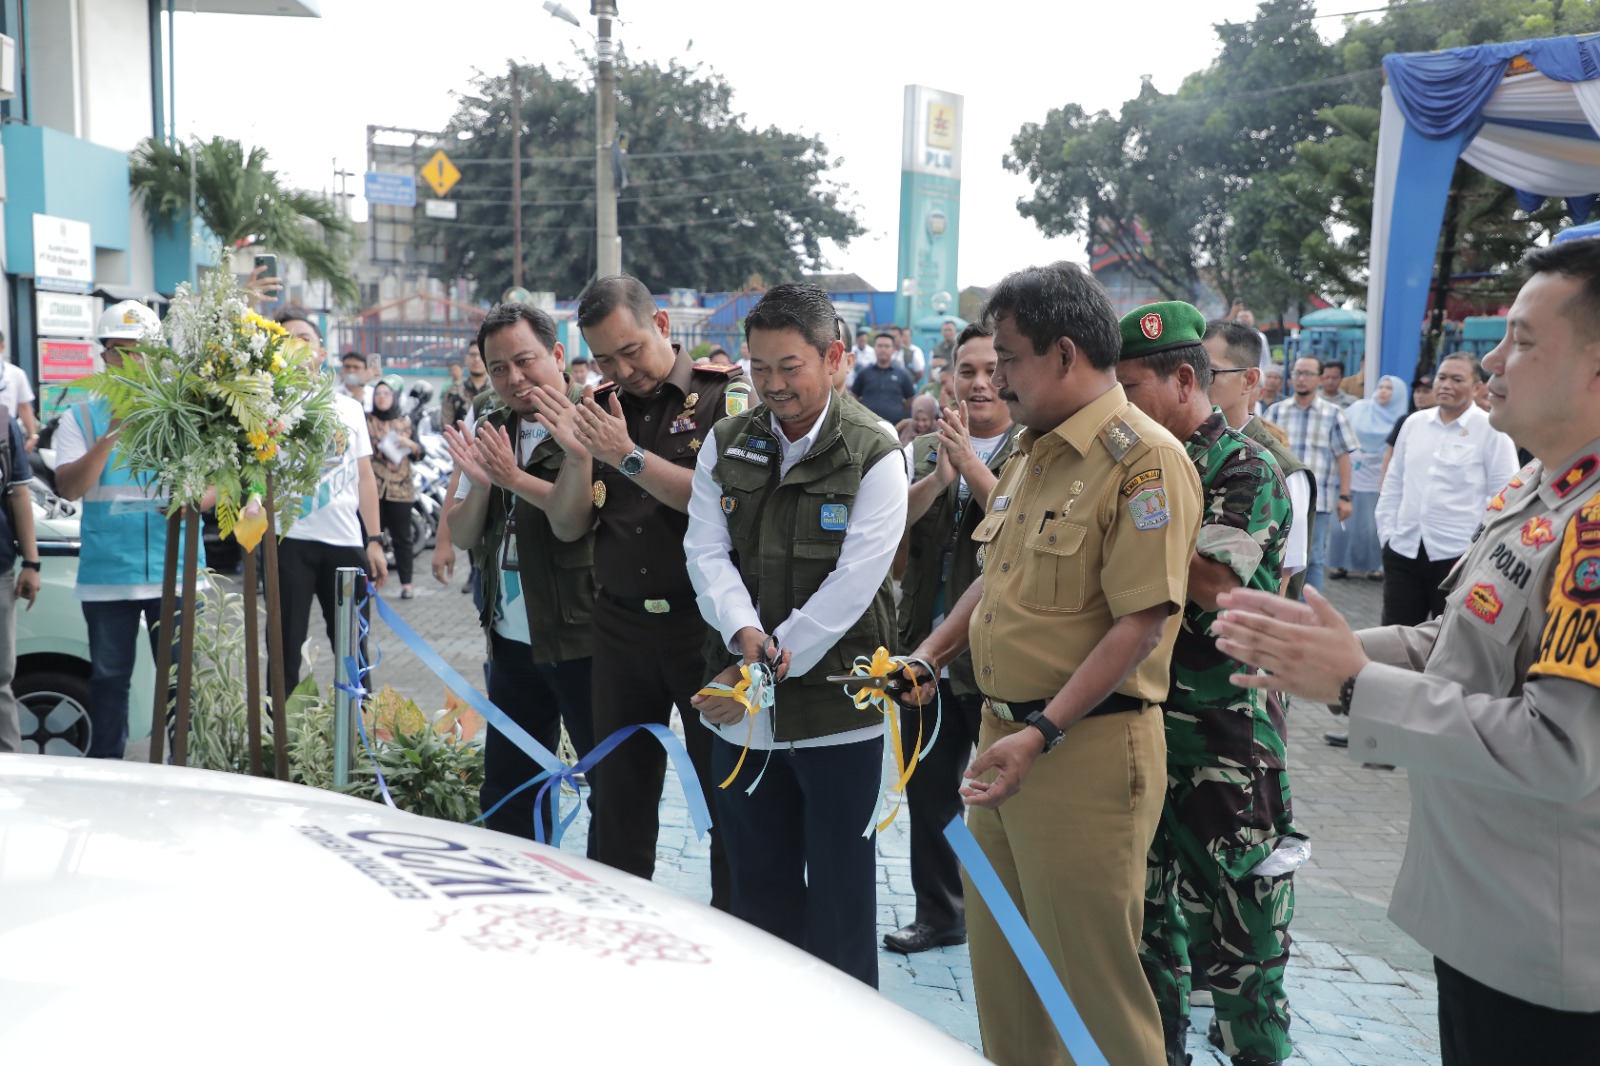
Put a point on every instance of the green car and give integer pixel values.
(52, 676)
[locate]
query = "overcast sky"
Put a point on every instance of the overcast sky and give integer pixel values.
(306, 89)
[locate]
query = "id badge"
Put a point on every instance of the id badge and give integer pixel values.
(508, 547)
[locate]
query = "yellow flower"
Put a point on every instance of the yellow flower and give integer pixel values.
(267, 451)
(251, 524)
(265, 324)
(258, 438)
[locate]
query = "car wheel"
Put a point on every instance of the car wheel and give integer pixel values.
(53, 713)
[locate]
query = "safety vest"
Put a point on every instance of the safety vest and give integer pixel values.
(787, 533)
(122, 527)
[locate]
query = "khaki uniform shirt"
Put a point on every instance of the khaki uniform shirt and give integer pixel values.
(1092, 521)
(1494, 709)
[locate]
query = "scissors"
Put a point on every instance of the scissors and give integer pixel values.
(892, 683)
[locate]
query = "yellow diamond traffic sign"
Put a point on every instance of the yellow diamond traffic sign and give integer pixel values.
(440, 173)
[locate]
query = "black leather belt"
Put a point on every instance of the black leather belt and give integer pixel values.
(668, 605)
(1115, 703)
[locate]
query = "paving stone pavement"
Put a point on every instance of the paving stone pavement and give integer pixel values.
(1361, 991)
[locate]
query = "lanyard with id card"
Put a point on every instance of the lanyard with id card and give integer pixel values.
(508, 541)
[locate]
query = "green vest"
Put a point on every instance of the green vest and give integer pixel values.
(557, 576)
(786, 538)
(929, 536)
(1288, 464)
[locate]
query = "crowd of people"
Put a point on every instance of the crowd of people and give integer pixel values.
(1096, 549)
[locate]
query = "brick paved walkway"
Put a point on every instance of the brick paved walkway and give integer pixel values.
(1361, 991)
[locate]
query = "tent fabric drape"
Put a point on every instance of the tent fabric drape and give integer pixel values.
(1537, 130)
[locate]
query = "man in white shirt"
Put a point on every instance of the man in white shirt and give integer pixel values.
(909, 355)
(337, 527)
(1235, 383)
(1448, 463)
(796, 510)
(16, 392)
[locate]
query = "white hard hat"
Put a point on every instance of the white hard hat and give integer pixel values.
(128, 319)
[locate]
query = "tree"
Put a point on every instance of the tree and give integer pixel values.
(709, 201)
(243, 203)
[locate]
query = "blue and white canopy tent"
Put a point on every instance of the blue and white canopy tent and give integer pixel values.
(1524, 112)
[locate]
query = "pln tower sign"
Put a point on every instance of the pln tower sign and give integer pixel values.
(930, 199)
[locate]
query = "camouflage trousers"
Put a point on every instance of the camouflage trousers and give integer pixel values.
(1202, 901)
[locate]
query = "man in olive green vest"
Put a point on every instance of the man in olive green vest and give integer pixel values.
(796, 510)
(538, 591)
(1235, 352)
(954, 471)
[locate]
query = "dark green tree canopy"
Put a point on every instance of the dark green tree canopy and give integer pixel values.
(1256, 176)
(709, 200)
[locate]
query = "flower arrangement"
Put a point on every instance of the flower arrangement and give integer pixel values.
(218, 400)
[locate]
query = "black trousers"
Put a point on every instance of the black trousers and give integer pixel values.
(644, 664)
(802, 870)
(539, 697)
(934, 796)
(1479, 1026)
(1411, 593)
(395, 517)
(307, 569)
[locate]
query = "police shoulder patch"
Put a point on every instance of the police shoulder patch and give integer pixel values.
(1570, 644)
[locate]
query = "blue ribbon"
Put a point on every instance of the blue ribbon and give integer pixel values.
(554, 770)
(1015, 929)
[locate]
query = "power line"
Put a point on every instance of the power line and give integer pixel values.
(657, 198)
(589, 227)
(1335, 14)
(1253, 94)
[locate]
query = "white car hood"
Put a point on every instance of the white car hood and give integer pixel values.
(217, 917)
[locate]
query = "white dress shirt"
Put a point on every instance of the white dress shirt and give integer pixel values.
(877, 519)
(1440, 480)
(1294, 549)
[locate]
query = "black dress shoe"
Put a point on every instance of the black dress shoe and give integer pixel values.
(920, 936)
(1337, 740)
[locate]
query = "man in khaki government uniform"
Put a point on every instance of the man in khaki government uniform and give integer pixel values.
(1494, 707)
(1085, 552)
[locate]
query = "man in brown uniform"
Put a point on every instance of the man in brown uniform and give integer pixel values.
(648, 634)
(1085, 553)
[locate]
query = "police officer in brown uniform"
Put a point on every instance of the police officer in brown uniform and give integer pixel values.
(1085, 552)
(954, 471)
(649, 637)
(1494, 707)
(538, 591)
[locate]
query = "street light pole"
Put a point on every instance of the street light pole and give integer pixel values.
(608, 252)
(516, 179)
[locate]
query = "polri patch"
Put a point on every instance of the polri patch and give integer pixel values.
(1149, 506)
(835, 516)
(1144, 477)
(1483, 601)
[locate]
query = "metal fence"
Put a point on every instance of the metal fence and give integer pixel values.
(407, 345)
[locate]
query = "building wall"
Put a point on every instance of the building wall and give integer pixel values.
(114, 44)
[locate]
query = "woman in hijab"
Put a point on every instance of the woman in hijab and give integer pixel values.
(393, 448)
(1355, 547)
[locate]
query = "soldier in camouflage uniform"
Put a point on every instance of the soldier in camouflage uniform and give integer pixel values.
(1227, 804)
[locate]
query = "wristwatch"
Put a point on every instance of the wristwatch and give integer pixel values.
(632, 464)
(1052, 735)
(30, 564)
(375, 539)
(1344, 497)
(1347, 692)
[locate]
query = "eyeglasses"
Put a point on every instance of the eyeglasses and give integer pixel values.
(1233, 370)
(1307, 373)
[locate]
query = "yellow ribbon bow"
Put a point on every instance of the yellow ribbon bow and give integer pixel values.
(761, 682)
(884, 666)
(251, 524)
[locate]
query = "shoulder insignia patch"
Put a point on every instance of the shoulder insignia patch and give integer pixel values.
(1576, 475)
(1148, 505)
(1119, 438)
(718, 369)
(1570, 644)
(736, 399)
(1130, 486)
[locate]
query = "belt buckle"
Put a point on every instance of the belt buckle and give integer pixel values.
(657, 606)
(1002, 710)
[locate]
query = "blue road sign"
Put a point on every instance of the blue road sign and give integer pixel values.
(399, 190)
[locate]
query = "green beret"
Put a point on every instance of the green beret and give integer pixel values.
(1161, 327)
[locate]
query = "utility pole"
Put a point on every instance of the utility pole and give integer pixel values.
(608, 253)
(516, 179)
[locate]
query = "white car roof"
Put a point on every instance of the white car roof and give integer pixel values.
(217, 917)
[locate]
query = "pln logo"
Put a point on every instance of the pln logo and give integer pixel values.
(941, 126)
